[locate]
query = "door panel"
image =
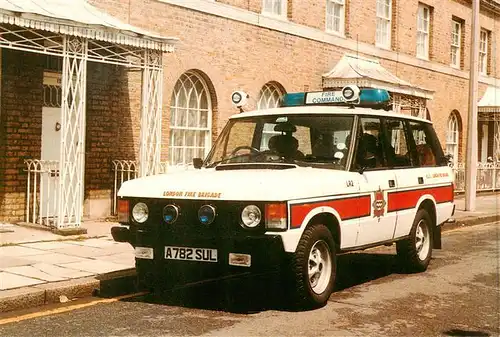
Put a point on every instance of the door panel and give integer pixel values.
(50, 151)
(379, 226)
(377, 179)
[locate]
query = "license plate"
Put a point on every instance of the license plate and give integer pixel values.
(190, 254)
(144, 253)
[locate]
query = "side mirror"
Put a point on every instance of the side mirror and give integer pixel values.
(197, 163)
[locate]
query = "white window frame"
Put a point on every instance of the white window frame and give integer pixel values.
(456, 44)
(190, 78)
(452, 138)
(423, 31)
(383, 31)
(483, 51)
(331, 18)
(269, 96)
(281, 4)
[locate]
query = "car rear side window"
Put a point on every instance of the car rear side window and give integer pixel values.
(428, 151)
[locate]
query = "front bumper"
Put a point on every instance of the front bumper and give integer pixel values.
(266, 251)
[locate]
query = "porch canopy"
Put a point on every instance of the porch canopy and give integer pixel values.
(354, 69)
(490, 102)
(79, 32)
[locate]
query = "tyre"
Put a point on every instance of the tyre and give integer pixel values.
(415, 252)
(313, 268)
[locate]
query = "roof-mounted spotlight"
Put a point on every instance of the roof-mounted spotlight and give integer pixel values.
(239, 99)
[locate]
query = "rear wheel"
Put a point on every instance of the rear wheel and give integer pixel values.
(415, 252)
(313, 268)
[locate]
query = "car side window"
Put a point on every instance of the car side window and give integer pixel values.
(424, 150)
(369, 153)
(397, 150)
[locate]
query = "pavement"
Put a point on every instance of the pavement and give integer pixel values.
(40, 267)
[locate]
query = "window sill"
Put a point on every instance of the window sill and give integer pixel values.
(423, 58)
(339, 34)
(275, 16)
(454, 66)
(382, 46)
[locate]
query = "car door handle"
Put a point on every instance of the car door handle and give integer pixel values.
(420, 180)
(392, 183)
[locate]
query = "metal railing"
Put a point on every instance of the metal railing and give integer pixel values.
(125, 170)
(42, 191)
(488, 177)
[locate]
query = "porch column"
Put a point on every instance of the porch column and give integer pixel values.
(72, 160)
(152, 96)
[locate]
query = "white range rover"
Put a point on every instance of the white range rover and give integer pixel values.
(289, 189)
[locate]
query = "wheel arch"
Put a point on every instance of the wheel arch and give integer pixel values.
(331, 222)
(429, 204)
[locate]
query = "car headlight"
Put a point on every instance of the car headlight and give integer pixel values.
(251, 216)
(206, 214)
(140, 212)
(170, 214)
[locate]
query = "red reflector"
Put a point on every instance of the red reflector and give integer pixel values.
(123, 209)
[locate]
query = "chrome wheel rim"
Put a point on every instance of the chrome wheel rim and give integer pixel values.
(319, 267)
(422, 240)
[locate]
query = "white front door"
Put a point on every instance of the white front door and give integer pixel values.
(380, 225)
(51, 150)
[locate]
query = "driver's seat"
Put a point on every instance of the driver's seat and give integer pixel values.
(285, 145)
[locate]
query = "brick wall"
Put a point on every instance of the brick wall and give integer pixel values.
(235, 55)
(230, 56)
(113, 122)
(20, 127)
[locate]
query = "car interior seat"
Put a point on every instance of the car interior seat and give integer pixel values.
(285, 144)
(425, 155)
(368, 147)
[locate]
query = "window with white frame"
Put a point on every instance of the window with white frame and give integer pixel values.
(423, 29)
(335, 16)
(274, 7)
(269, 97)
(383, 30)
(190, 120)
(456, 41)
(452, 137)
(483, 52)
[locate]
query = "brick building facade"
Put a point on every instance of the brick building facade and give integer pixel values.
(263, 47)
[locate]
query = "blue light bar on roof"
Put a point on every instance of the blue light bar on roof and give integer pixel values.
(348, 96)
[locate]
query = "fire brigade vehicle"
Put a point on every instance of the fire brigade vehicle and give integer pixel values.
(291, 188)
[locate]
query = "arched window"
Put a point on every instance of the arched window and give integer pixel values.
(190, 120)
(270, 96)
(453, 136)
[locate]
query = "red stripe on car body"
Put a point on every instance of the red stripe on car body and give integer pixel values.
(347, 208)
(408, 199)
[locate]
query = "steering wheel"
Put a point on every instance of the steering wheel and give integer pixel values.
(244, 147)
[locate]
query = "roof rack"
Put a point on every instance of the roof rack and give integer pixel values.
(350, 95)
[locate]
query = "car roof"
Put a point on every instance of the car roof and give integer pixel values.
(309, 110)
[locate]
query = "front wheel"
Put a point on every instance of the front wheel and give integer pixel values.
(313, 268)
(415, 252)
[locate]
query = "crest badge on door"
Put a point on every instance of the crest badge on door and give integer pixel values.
(378, 204)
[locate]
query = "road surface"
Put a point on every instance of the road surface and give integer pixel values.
(457, 296)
